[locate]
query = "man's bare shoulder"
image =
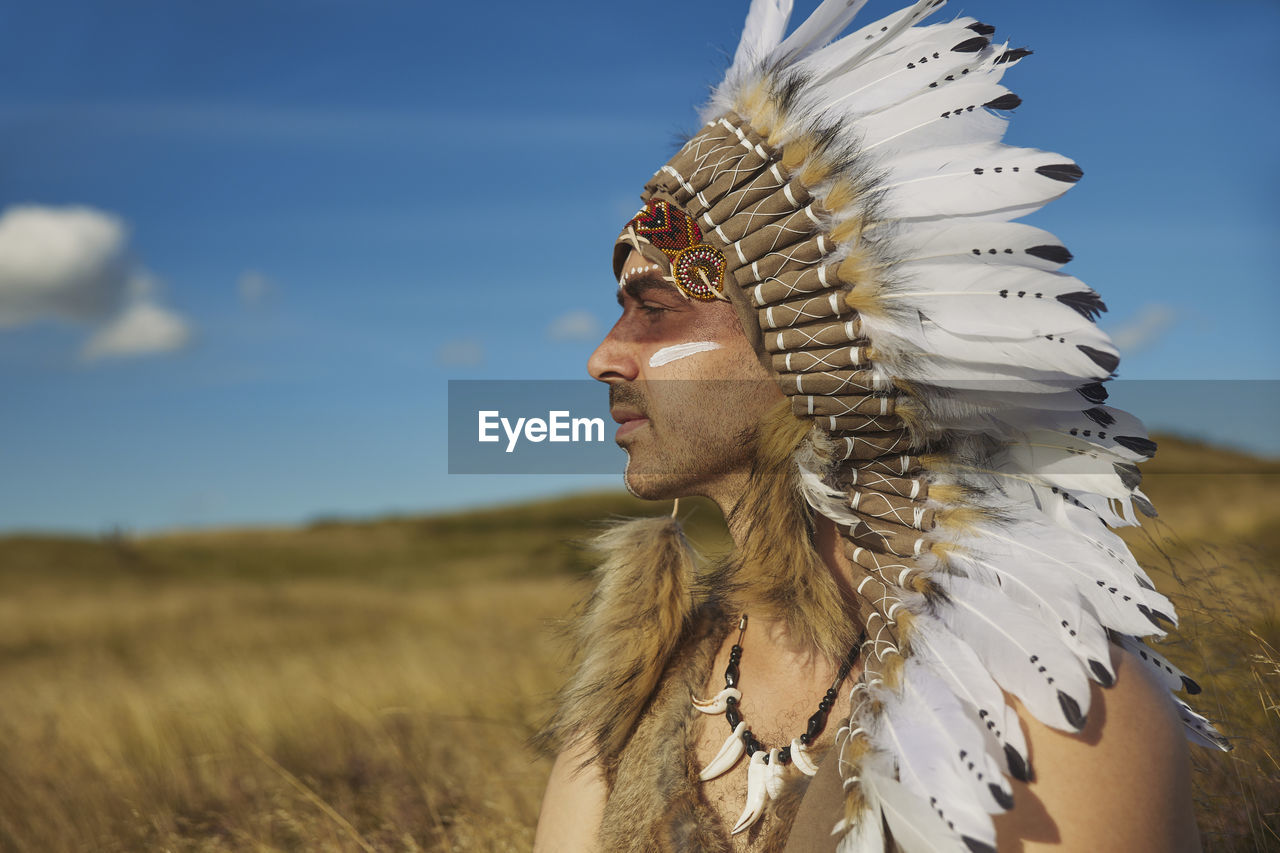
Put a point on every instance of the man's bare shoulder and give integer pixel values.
(1122, 784)
(571, 807)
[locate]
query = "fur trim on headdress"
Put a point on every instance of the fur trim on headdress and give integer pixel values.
(627, 631)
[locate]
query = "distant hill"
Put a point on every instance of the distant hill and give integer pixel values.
(1205, 493)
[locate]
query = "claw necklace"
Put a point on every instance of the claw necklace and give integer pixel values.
(766, 768)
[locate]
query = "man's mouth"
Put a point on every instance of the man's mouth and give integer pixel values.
(630, 421)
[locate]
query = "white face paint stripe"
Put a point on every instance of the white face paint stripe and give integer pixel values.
(666, 355)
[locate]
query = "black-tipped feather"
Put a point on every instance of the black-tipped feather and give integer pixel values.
(1155, 617)
(1012, 55)
(1106, 360)
(1052, 254)
(1018, 766)
(972, 45)
(1129, 475)
(1008, 101)
(1100, 673)
(1003, 799)
(1086, 303)
(1071, 710)
(1100, 416)
(1066, 172)
(1094, 392)
(1143, 446)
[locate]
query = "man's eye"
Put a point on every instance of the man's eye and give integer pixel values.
(651, 309)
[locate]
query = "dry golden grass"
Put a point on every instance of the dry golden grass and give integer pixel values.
(1215, 550)
(361, 686)
(313, 715)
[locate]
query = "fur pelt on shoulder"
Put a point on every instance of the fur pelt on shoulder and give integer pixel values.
(631, 623)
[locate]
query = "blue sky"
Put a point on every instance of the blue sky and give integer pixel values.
(317, 213)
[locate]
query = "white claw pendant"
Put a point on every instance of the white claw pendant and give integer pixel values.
(800, 758)
(728, 754)
(773, 781)
(720, 703)
(757, 791)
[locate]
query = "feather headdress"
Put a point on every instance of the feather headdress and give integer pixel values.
(852, 198)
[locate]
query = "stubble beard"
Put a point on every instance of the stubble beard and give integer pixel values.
(678, 454)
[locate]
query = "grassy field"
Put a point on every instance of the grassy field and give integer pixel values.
(370, 685)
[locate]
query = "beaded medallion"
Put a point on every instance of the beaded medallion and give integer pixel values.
(699, 271)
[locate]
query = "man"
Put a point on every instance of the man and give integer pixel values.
(830, 329)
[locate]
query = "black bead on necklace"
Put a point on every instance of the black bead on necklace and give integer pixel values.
(817, 722)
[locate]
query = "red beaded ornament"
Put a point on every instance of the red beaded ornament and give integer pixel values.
(666, 226)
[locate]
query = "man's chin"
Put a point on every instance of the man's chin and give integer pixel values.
(652, 485)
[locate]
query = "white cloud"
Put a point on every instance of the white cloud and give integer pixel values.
(64, 263)
(253, 287)
(141, 329)
(1152, 321)
(461, 353)
(72, 264)
(573, 326)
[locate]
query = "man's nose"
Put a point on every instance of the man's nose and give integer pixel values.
(615, 359)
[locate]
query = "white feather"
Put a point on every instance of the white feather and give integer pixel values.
(1007, 302)
(1055, 597)
(996, 398)
(834, 59)
(979, 242)
(1168, 674)
(824, 24)
(915, 828)
(1023, 654)
(761, 34)
(922, 56)
(957, 664)
(877, 36)
(962, 181)
(926, 767)
(923, 350)
(1093, 578)
(960, 736)
(1086, 520)
(956, 115)
(1104, 428)
(1199, 729)
(1070, 468)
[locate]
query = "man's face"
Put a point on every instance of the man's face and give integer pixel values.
(685, 386)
